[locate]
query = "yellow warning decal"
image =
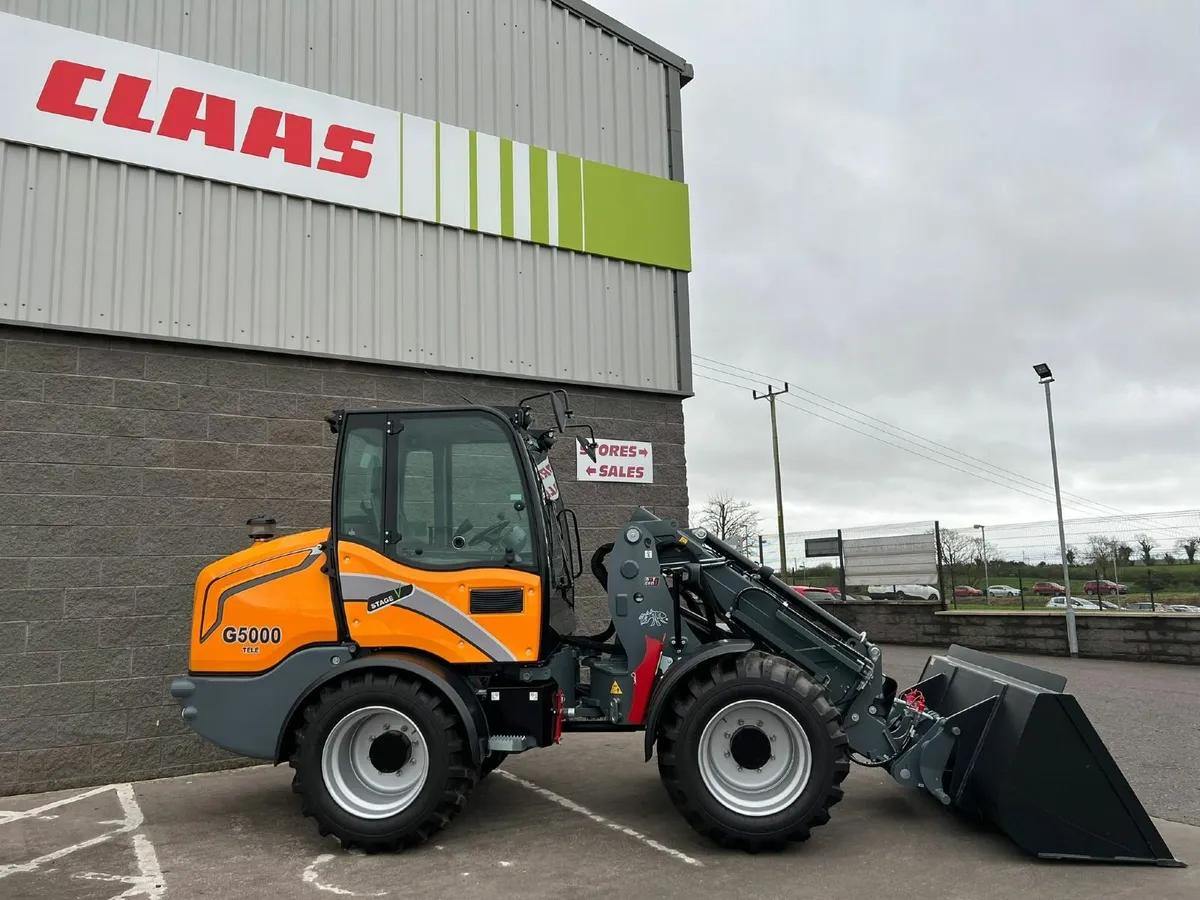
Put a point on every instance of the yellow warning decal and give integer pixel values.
(615, 689)
(683, 540)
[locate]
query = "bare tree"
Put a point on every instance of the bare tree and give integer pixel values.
(733, 521)
(1188, 547)
(1101, 550)
(1147, 545)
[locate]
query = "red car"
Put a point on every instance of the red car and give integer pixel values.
(817, 595)
(1104, 586)
(1049, 589)
(965, 590)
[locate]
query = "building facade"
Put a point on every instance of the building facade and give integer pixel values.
(221, 221)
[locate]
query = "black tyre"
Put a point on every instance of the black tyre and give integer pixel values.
(381, 762)
(492, 762)
(752, 753)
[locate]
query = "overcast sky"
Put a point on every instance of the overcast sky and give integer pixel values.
(904, 206)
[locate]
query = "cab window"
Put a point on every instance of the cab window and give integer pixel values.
(461, 498)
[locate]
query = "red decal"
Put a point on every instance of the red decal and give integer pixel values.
(263, 137)
(558, 716)
(60, 93)
(353, 161)
(124, 109)
(643, 680)
(182, 117)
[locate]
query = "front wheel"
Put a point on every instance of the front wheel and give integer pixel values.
(381, 762)
(751, 752)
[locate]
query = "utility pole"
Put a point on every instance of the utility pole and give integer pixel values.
(770, 396)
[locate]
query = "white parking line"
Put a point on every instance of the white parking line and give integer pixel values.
(149, 883)
(312, 876)
(600, 820)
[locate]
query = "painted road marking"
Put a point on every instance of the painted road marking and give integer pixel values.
(148, 883)
(312, 876)
(600, 820)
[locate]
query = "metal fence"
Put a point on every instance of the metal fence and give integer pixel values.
(1142, 561)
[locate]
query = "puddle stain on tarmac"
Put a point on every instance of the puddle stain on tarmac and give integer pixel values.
(149, 883)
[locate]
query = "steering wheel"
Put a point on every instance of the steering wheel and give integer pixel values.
(493, 534)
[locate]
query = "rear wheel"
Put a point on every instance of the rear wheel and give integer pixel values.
(381, 762)
(751, 752)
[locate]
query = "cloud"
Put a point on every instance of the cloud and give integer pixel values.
(902, 208)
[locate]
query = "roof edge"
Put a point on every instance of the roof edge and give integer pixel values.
(603, 20)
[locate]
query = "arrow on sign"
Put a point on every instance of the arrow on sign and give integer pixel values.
(591, 470)
(643, 451)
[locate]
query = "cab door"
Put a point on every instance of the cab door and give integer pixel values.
(439, 541)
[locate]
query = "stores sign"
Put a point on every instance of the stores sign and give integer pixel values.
(624, 461)
(77, 92)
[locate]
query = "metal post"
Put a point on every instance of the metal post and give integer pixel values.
(841, 566)
(1021, 579)
(937, 540)
(983, 553)
(770, 397)
(1072, 637)
(760, 550)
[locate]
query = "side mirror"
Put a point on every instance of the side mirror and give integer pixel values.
(589, 447)
(559, 406)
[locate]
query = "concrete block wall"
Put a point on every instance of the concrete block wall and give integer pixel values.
(127, 465)
(1141, 637)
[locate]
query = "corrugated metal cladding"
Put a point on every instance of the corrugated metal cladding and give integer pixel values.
(99, 245)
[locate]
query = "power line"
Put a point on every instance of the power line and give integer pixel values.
(890, 444)
(1029, 482)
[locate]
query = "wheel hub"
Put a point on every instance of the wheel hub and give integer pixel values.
(750, 747)
(755, 758)
(374, 762)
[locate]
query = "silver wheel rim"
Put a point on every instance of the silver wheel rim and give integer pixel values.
(742, 731)
(375, 762)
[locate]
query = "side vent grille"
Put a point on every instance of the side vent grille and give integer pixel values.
(497, 600)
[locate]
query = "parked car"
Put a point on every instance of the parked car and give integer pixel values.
(903, 592)
(1104, 586)
(1050, 589)
(1182, 607)
(965, 590)
(817, 595)
(1003, 590)
(1061, 603)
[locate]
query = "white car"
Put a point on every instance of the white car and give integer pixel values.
(1061, 603)
(904, 591)
(1003, 590)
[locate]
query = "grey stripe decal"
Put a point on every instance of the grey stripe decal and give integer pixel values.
(313, 553)
(361, 587)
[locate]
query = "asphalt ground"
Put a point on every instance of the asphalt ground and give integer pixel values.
(590, 819)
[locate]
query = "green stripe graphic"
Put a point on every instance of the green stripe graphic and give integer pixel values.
(601, 209)
(570, 203)
(506, 188)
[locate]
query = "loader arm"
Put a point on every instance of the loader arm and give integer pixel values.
(993, 738)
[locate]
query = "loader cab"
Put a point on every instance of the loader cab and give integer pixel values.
(457, 499)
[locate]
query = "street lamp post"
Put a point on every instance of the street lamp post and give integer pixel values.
(1045, 377)
(983, 553)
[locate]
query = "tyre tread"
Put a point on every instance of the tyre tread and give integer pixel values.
(461, 776)
(753, 665)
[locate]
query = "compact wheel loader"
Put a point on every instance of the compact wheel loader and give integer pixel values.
(398, 656)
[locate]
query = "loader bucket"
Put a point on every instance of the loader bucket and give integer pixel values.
(1028, 761)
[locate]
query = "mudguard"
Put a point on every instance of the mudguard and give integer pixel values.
(675, 676)
(444, 679)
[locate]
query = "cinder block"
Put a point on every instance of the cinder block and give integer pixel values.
(46, 765)
(126, 759)
(86, 390)
(27, 356)
(129, 693)
(111, 363)
(44, 700)
(66, 634)
(169, 659)
(147, 395)
(22, 386)
(86, 603)
(93, 665)
(204, 398)
(91, 728)
(205, 454)
(177, 369)
(28, 668)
